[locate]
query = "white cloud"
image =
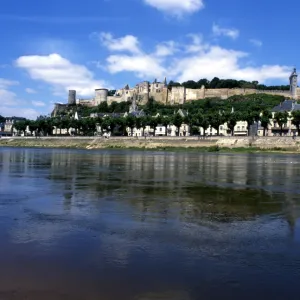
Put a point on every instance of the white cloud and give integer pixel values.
(30, 91)
(137, 61)
(60, 73)
(192, 60)
(256, 42)
(7, 98)
(38, 103)
(28, 113)
(197, 45)
(228, 32)
(176, 7)
(142, 65)
(127, 43)
(4, 83)
(166, 49)
(224, 63)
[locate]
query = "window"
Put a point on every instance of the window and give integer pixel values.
(238, 128)
(156, 85)
(221, 127)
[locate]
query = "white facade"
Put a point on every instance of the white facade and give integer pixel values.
(161, 131)
(240, 129)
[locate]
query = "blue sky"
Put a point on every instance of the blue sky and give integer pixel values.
(59, 45)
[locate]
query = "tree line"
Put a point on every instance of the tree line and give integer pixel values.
(217, 83)
(196, 119)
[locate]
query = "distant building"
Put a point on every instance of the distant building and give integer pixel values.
(9, 123)
(288, 129)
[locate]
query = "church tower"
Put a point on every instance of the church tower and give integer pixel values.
(294, 84)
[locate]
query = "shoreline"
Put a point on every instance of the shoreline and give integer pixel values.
(230, 145)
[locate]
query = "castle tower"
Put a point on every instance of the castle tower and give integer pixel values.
(100, 96)
(165, 81)
(72, 97)
(294, 84)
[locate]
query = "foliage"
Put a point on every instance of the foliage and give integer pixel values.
(296, 120)
(281, 118)
(177, 121)
(265, 120)
(217, 83)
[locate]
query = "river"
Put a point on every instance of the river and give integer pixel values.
(120, 224)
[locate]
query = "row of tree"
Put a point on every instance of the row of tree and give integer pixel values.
(217, 83)
(119, 125)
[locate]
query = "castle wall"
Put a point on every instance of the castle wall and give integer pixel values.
(197, 94)
(160, 96)
(111, 99)
(177, 95)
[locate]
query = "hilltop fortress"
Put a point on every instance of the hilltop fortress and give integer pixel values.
(162, 93)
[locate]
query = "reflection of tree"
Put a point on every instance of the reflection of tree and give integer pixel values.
(184, 186)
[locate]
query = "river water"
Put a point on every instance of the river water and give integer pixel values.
(111, 225)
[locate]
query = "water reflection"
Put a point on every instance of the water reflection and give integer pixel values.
(153, 223)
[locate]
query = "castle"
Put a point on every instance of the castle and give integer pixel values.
(161, 93)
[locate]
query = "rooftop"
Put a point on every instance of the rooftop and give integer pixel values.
(287, 105)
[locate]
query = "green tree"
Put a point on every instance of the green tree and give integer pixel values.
(216, 120)
(281, 118)
(153, 122)
(32, 126)
(204, 123)
(265, 120)
(144, 123)
(21, 126)
(138, 123)
(232, 119)
(106, 125)
(177, 121)
(296, 120)
(130, 122)
(166, 121)
(121, 124)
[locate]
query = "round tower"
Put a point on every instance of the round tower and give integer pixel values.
(72, 97)
(101, 96)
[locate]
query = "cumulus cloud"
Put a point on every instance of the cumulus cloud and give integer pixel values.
(166, 49)
(38, 103)
(224, 63)
(9, 111)
(197, 43)
(142, 65)
(176, 7)
(138, 62)
(192, 59)
(10, 105)
(228, 32)
(30, 91)
(127, 43)
(256, 42)
(7, 97)
(60, 73)
(4, 83)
